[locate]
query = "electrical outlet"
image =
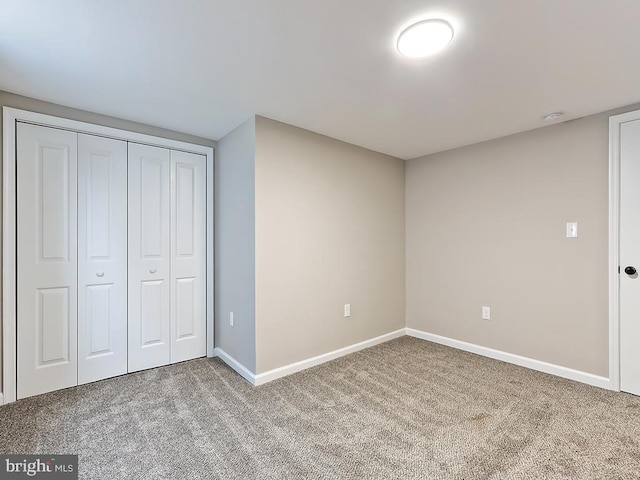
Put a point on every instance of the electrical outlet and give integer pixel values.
(231, 318)
(486, 313)
(347, 310)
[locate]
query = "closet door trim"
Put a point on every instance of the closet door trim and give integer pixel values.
(11, 116)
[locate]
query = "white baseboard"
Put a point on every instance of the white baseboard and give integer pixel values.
(280, 372)
(1, 399)
(235, 365)
(538, 365)
(265, 377)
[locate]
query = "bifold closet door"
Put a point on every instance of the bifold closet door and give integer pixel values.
(47, 267)
(102, 258)
(149, 287)
(188, 256)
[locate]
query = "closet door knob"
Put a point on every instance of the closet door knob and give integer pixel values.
(100, 274)
(153, 270)
(630, 270)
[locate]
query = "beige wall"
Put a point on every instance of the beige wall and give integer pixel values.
(235, 244)
(486, 226)
(24, 103)
(329, 231)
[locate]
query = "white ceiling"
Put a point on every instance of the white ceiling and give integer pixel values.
(203, 67)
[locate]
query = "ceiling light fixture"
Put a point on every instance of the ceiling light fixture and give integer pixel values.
(425, 38)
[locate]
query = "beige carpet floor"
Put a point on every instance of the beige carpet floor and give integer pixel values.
(405, 409)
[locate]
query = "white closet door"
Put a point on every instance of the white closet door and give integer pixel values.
(102, 258)
(188, 254)
(149, 257)
(46, 259)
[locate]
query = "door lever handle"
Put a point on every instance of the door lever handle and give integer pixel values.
(100, 274)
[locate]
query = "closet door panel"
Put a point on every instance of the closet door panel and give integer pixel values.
(46, 259)
(149, 257)
(151, 317)
(102, 258)
(188, 256)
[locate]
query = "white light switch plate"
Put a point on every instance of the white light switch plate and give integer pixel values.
(572, 229)
(347, 310)
(486, 313)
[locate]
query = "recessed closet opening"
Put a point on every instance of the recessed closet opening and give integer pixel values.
(107, 256)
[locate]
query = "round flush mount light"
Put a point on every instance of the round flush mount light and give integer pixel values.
(553, 117)
(425, 38)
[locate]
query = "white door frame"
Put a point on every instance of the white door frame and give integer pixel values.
(615, 122)
(10, 117)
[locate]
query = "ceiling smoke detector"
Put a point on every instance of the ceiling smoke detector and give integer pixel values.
(553, 117)
(425, 38)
